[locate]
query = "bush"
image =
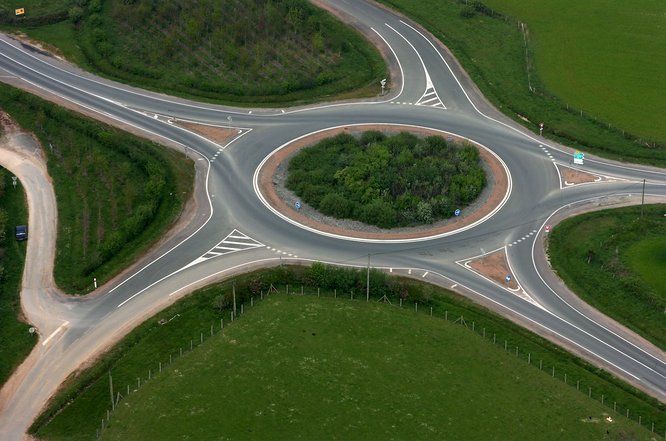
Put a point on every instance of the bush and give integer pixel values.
(385, 181)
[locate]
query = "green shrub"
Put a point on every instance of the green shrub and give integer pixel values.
(385, 181)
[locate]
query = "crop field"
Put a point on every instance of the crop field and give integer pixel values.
(615, 260)
(315, 365)
(36, 11)
(606, 57)
(116, 193)
(16, 341)
(491, 48)
(235, 51)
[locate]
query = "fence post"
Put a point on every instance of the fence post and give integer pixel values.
(211, 330)
(232, 316)
(221, 323)
(578, 385)
(529, 358)
(602, 399)
(317, 292)
(565, 378)
(627, 413)
(160, 366)
(251, 301)
(191, 344)
(287, 288)
(494, 338)
(401, 302)
(473, 325)
(431, 311)
(505, 344)
(484, 332)
(516, 351)
(202, 337)
(553, 371)
(416, 307)
(540, 365)
(150, 374)
(335, 293)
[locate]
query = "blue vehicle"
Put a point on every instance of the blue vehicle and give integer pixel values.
(22, 232)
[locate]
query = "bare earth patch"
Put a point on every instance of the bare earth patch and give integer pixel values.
(495, 267)
(219, 135)
(571, 176)
(270, 185)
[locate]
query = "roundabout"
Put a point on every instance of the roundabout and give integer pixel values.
(491, 201)
(241, 224)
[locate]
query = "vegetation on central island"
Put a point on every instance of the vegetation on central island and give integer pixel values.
(387, 181)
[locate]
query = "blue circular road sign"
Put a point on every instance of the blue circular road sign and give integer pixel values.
(457, 212)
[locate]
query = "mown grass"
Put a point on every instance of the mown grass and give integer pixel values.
(16, 340)
(491, 48)
(234, 51)
(304, 368)
(611, 61)
(116, 193)
(75, 413)
(615, 261)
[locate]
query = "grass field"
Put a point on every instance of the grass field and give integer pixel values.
(491, 48)
(116, 193)
(397, 346)
(303, 368)
(601, 56)
(259, 53)
(387, 181)
(616, 262)
(16, 341)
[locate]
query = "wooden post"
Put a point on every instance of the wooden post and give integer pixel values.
(233, 290)
(113, 405)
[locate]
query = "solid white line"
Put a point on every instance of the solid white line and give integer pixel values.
(226, 248)
(211, 276)
(53, 334)
(507, 125)
(576, 310)
(255, 184)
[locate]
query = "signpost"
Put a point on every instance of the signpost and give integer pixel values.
(457, 212)
(19, 11)
(383, 84)
(548, 228)
(579, 157)
(298, 205)
(14, 179)
(507, 279)
(541, 129)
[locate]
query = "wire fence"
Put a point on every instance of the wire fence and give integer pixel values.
(117, 395)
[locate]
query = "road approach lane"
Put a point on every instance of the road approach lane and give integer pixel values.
(536, 194)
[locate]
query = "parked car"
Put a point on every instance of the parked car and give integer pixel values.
(22, 232)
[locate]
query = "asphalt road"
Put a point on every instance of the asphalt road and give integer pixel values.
(434, 93)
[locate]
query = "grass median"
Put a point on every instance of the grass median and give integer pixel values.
(117, 194)
(615, 260)
(387, 367)
(17, 342)
(492, 49)
(232, 51)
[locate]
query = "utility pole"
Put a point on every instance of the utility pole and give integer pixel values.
(367, 282)
(643, 198)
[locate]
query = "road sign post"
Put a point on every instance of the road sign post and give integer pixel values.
(457, 212)
(507, 279)
(579, 157)
(383, 84)
(14, 181)
(541, 129)
(298, 205)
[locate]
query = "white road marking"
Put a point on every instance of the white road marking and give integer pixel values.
(429, 86)
(425, 274)
(54, 333)
(454, 285)
(255, 185)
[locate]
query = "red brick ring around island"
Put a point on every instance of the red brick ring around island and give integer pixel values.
(499, 180)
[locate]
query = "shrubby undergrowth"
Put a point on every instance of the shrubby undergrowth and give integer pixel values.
(387, 181)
